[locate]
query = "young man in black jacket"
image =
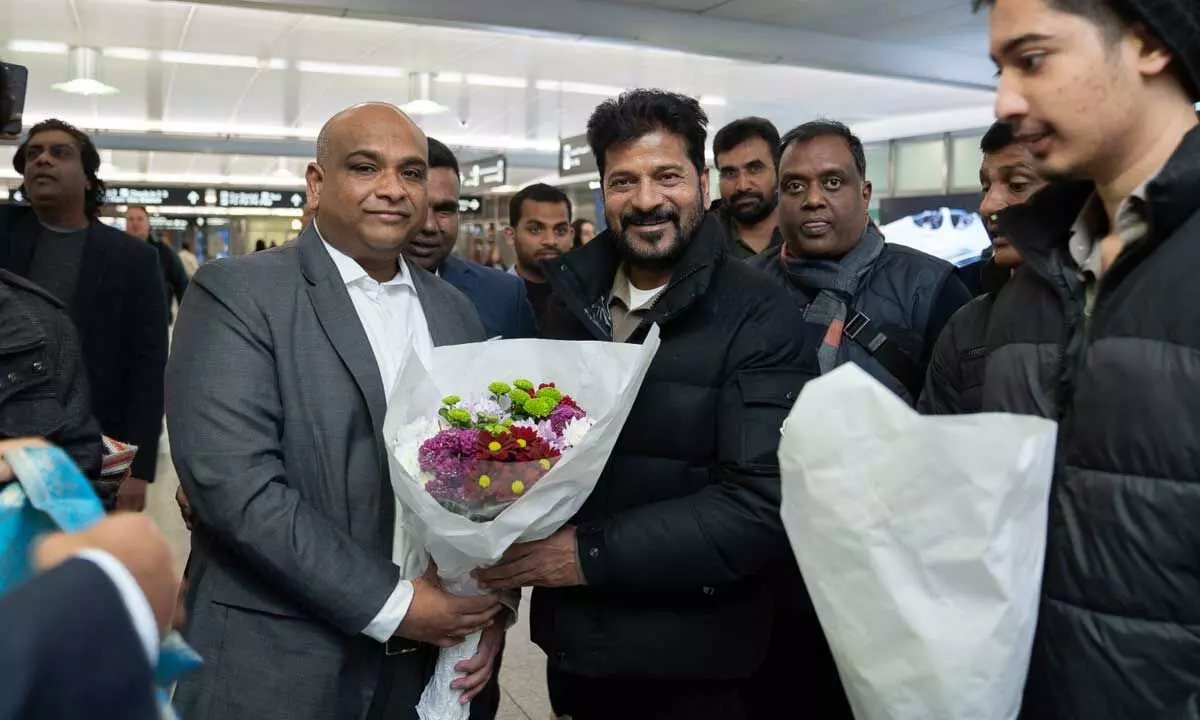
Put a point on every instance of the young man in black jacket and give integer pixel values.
(1098, 329)
(137, 224)
(654, 603)
(954, 382)
(110, 283)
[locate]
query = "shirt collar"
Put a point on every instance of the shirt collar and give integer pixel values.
(1092, 225)
(352, 272)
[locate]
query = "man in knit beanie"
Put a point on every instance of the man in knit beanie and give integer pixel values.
(1099, 330)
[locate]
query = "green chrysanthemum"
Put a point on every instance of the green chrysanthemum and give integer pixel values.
(550, 393)
(519, 397)
(523, 385)
(451, 400)
(538, 407)
(499, 388)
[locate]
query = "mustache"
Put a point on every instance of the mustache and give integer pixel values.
(656, 216)
(748, 195)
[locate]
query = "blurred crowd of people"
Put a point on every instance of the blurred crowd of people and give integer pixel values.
(672, 594)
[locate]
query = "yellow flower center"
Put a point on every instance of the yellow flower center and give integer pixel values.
(494, 446)
(544, 463)
(520, 442)
(518, 487)
(484, 481)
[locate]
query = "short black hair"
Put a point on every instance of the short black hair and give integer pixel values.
(998, 137)
(440, 156)
(743, 129)
(1105, 14)
(539, 192)
(828, 128)
(640, 112)
(93, 199)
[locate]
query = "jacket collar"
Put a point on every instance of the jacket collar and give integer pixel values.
(1041, 228)
(585, 276)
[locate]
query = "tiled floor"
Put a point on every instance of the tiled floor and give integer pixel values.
(523, 678)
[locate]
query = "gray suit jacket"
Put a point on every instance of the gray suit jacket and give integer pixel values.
(275, 407)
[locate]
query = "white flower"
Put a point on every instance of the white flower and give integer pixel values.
(574, 430)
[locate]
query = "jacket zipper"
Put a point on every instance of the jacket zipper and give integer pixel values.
(671, 285)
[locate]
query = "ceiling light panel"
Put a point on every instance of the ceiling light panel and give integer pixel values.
(210, 59)
(330, 68)
(39, 47)
(497, 81)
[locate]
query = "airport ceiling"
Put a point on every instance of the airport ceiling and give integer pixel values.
(242, 88)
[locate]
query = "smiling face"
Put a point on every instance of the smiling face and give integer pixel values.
(439, 234)
(654, 198)
(822, 198)
(1071, 88)
(369, 184)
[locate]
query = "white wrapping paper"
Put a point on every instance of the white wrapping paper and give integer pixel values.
(921, 541)
(604, 378)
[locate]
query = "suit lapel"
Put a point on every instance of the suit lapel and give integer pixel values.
(445, 327)
(91, 277)
(338, 319)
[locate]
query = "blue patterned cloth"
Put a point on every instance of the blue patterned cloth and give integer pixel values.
(51, 494)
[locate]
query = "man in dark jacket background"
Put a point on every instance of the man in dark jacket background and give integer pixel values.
(746, 151)
(954, 382)
(1097, 329)
(654, 603)
(110, 283)
(878, 305)
(881, 306)
(175, 278)
(498, 297)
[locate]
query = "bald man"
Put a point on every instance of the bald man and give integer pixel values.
(307, 598)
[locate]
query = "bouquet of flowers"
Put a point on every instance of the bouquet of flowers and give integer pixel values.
(488, 453)
(921, 543)
(475, 473)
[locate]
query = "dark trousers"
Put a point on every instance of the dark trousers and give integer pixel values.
(799, 662)
(403, 677)
(583, 698)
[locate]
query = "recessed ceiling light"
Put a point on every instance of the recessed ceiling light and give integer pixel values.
(84, 70)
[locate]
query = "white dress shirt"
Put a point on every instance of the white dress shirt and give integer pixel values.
(131, 595)
(394, 321)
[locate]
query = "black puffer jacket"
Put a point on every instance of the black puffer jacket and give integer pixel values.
(954, 381)
(1119, 627)
(684, 519)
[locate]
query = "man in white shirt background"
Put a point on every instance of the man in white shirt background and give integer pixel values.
(306, 597)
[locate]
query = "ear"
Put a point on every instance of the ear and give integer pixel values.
(510, 237)
(867, 189)
(314, 177)
(1153, 58)
(705, 189)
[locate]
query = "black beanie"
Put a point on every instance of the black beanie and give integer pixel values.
(1177, 24)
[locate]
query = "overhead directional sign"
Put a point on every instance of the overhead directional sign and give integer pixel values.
(575, 157)
(470, 205)
(198, 197)
(488, 172)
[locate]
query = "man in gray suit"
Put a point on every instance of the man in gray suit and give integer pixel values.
(276, 400)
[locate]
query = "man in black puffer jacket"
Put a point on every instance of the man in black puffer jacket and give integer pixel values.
(865, 301)
(1098, 329)
(654, 604)
(954, 383)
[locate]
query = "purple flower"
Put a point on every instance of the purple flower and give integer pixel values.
(562, 415)
(449, 455)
